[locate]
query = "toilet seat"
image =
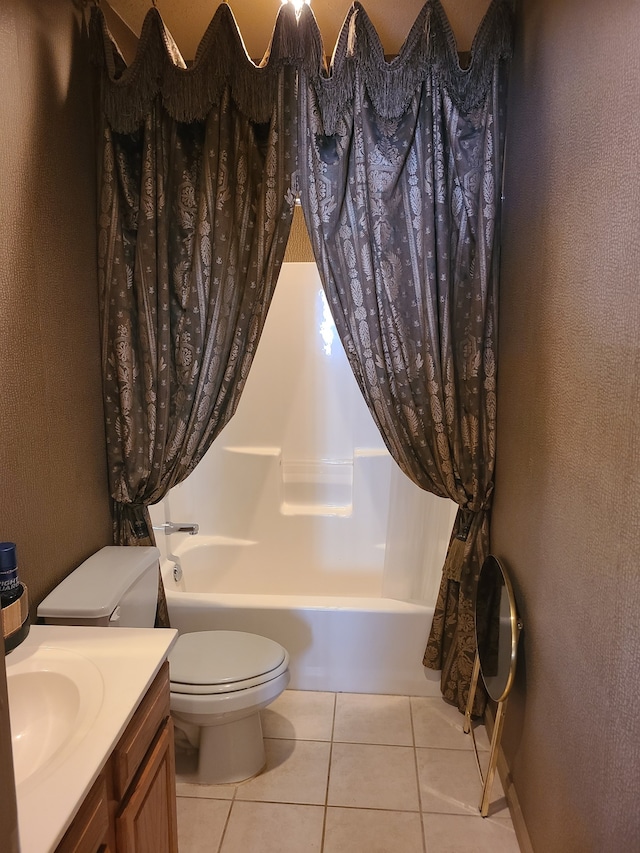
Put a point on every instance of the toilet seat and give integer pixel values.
(210, 662)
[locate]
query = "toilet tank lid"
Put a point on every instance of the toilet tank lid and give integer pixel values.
(96, 587)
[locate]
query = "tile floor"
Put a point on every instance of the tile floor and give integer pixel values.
(352, 773)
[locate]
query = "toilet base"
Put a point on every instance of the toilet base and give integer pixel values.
(229, 752)
(232, 749)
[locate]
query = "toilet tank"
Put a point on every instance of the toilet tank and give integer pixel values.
(116, 587)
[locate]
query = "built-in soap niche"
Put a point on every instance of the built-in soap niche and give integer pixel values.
(316, 487)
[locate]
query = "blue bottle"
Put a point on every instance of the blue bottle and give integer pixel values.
(10, 591)
(10, 586)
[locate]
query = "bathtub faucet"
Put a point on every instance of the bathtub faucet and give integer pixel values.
(179, 527)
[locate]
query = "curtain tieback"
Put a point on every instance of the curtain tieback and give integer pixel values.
(134, 514)
(455, 559)
(466, 520)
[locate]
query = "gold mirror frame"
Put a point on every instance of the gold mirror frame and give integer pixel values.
(516, 627)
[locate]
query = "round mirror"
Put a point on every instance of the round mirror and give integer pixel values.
(497, 629)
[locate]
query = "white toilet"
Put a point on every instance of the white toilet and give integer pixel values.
(219, 679)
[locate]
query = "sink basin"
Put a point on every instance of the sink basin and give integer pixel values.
(54, 697)
(72, 691)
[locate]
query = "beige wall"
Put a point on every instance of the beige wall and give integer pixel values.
(566, 517)
(53, 494)
(567, 502)
(53, 486)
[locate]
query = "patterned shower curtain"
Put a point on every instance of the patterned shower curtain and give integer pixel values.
(195, 207)
(400, 175)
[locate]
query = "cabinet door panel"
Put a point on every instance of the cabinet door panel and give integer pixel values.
(135, 742)
(147, 820)
(89, 832)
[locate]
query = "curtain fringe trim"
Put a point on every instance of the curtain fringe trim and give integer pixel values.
(221, 62)
(430, 49)
(188, 94)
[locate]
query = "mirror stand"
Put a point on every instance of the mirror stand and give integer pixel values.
(487, 780)
(497, 629)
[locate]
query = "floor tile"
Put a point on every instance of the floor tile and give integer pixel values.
(201, 824)
(186, 767)
(299, 715)
(438, 724)
(273, 828)
(296, 772)
(450, 783)
(368, 831)
(452, 833)
(205, 792)
(482, 738)
(362, 718)
(373, 777)
(354, 753)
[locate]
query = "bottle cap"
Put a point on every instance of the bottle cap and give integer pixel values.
(8, 556)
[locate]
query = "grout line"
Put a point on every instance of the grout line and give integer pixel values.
(464, 749)
(423, 834)
(226, 824)
(337, 806)
(333, 717)
(326, 792)
(376, 809)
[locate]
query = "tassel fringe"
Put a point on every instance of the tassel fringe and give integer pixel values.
(221, 62)
(188, 94)
(430, 49)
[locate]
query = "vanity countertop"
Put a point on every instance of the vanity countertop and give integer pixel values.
(115, 666)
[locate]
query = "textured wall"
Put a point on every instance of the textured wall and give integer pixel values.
(53, 492)
(566, 517)
(299, 245)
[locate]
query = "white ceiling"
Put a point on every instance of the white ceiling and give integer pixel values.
(187, 20)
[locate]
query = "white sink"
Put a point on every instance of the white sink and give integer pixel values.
(72, 691)
(54, 697)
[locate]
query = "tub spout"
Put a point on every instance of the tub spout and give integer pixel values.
(179, 527)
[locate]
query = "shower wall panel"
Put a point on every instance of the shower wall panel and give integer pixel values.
(298, 485)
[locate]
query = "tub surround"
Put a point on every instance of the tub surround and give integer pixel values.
(335, 643)
(309, 533)
(49, 799)
(298, 495)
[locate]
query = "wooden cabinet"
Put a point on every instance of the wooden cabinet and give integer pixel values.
(132, 805)
(91, 831)
(139, 828)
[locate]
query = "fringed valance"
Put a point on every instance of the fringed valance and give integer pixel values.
(430, 48)
(188, 93)
(221, 61)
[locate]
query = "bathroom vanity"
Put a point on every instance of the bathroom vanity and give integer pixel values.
(93, 740)
(131, 806)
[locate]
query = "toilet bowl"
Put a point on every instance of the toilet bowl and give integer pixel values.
(219, 682)
(219, 679)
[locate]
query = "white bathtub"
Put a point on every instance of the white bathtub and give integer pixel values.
(336, 643)
(309, 532)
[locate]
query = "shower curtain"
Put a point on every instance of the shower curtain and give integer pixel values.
(400, 175)
(195, 207)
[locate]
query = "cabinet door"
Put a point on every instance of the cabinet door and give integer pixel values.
(146, 822)
(89, 832)
(134, 745)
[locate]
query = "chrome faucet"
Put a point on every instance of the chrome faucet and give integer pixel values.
(178, 527)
